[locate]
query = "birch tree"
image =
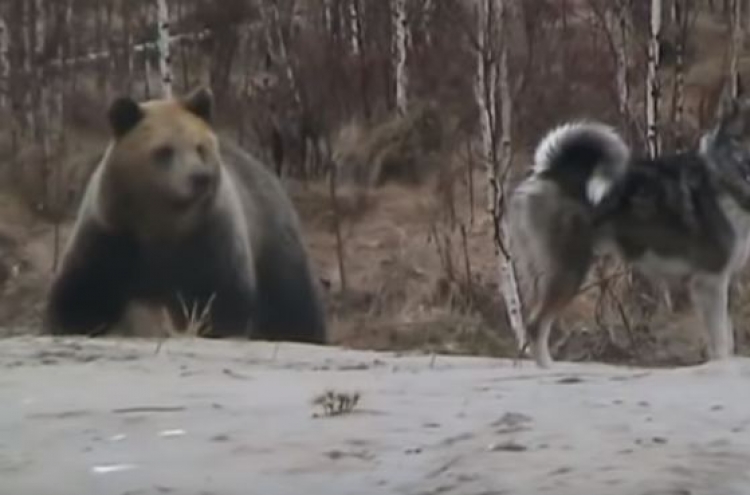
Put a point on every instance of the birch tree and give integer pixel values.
(355, 27)
(28, 55)
(400, 28)
(508, 280)
(653, 85)
(40, 27)
(165, 58)
(283, 54)
(328, 16)
(493, 86)
(735, 47)
(682, 12)
(428, 11)
(4, 64)
(485, 84)
(618, 19)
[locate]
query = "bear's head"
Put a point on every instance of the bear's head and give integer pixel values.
(161, 173)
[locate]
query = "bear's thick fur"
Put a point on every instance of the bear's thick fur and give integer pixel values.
(174, 216)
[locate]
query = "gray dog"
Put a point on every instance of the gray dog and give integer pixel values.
(684, 216)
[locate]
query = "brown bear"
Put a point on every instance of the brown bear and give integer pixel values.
(176, 217)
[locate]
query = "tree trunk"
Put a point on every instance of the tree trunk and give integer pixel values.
(508, 279)
(493, 81)
(400, 28)
(4, 65)
(40, 29)
(653, 89)
(327, 17)
(682, 11)
(484, 92)
(129, 62)
(736, 48)
(28, 66)
(618, 19)
(428, 11)
(284, 56)
(355, 27)
(165, 58)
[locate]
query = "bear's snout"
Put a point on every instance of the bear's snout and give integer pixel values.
(201, 182)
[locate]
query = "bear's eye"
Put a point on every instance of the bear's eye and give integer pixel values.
(201, 151)
(163, 155)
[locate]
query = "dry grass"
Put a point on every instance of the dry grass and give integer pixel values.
(335, 403)
(197, 321)
(403, 149)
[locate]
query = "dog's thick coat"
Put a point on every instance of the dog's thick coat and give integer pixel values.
(174, 217)
(684, 216)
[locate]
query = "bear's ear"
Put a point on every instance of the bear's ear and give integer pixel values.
(201, 103)
(124, 115)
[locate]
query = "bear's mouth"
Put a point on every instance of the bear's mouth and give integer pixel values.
(189, 201)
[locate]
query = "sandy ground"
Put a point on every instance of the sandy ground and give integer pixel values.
(218, 418)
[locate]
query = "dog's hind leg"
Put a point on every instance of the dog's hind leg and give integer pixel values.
(539, 331)
(560, 287)
(710, 298)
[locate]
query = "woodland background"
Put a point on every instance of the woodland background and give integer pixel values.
(397, 127)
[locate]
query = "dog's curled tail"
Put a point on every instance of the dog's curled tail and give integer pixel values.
(584, 157)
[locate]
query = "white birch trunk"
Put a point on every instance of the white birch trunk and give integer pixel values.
(4, 64)
(619, 27)
(165, 58)
(492, 77)
(508, 279)
(328, 16)
(736, 48)
(428, 10)
(505, 155)
(45, 134)
(147, 77)
(27, 38)
(400, 28)
(681, 14)
(28, 51)
(40, 30)
(354, 27)
(653, 89)
(484, 91)
(284, 55)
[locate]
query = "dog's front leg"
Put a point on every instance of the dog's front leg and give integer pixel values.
(710, 298)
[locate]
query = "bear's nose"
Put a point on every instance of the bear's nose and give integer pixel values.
(201, 182)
